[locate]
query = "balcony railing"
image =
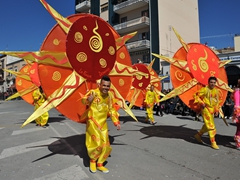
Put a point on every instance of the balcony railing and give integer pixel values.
(129, 5)
(133, 24)
(138, 45)
(83, 6)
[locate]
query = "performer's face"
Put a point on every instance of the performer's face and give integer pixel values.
(152, 88)
(104, 86)
(212, 83)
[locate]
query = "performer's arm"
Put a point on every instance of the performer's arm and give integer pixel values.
(88, 98)
(147, 99)
(113, 113)
(218, 105)
(198, 97)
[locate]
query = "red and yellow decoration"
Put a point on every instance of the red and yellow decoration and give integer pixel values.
(190, 68)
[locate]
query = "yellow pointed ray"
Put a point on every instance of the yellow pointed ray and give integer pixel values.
(19, 74)
(122, 40)
(223, 63)
(58, 96)
(176, 62)
(221, 84)
(22, 92)
(42, 57)
(121, 102)
(180, 89)
(223, 116)
(149, 67)
(64, 23)
(124, 70)
(185, 46)
(134, 97)
(159, 92)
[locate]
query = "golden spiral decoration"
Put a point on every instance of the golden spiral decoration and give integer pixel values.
(156, 84)
(121, 82)
(139, 77)
(212, 73)
(81, 57)
(179, 75)
(202, 62)
(56, 76)
(152, 73)
(85, 28)
(193, 65)
(78, 37)
(32, 71)
(25, 69)
(19, 82)
(140, 84)
(56, 42)
(95, 42)
(111, 50)
(122, 55)
(107, 34)
(103, 63)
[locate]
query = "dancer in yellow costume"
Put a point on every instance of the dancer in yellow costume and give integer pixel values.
(208, 99)
(39, 98)
(100, 102)
(150, 99)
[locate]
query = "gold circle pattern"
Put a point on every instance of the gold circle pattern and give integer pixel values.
(111, 50)
(78, 37)
(121, 82)
(122, 55)
(103, 63)
(81, 57)
(19, 82)
(56, 76)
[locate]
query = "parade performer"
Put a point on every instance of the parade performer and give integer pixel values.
(236, 114)
(150, 99)
(101, 105)
(208, 99)
(39, 98)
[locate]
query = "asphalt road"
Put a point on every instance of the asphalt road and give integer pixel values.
(166, 151)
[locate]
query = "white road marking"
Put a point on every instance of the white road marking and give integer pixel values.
(23, 131)
(6, 112)
(74, 172)
(25, 148)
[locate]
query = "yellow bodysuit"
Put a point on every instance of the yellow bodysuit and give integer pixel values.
(39, 99)
(209, 98)
(150, 99)
(97, 141)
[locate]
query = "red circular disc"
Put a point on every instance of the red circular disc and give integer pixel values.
(91, 47)
(202, 62)
(141, 82)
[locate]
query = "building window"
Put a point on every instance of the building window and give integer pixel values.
(145, 13)
(124, 19)
(143, 36)
(104, 7)
(146, 58)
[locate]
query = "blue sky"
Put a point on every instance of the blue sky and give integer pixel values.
(25, 23)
